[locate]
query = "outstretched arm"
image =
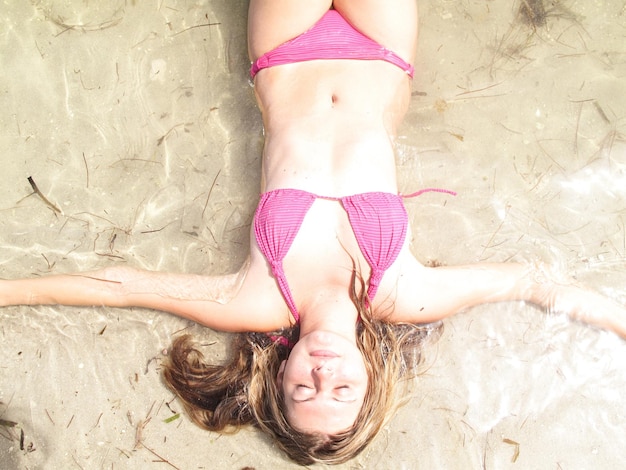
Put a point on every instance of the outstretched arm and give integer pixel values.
(443, 291)
(223, 303)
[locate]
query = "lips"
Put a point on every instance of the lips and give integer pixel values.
(324, 353)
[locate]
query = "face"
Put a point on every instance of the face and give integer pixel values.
(324, 382)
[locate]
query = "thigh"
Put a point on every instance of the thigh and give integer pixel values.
(392, 23)
(272, 22)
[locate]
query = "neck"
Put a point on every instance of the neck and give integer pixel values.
(335, 314)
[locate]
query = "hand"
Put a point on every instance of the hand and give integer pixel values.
(566, 295)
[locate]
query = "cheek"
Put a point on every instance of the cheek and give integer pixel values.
(358, 369)
(293, 369)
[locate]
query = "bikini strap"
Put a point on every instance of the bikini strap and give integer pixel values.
(428, 190)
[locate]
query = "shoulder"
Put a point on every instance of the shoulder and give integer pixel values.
(393, 302)
(259, 303)
(242, 302)
(413, 293)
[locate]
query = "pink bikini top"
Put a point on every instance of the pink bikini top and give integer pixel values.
(378, 219)
(332, 37)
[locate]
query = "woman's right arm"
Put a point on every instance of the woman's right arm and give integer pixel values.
(224, 303)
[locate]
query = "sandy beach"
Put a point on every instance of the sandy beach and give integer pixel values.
(137, 124)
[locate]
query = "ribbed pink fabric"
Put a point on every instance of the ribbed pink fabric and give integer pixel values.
(378, 219)
(277, 221)
(332, 37)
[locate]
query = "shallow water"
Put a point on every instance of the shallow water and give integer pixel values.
(137, 121)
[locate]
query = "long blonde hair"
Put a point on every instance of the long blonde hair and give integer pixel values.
(243, 391)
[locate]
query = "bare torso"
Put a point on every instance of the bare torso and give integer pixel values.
(329, 125)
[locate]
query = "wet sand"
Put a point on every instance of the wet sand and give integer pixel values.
(137, 123)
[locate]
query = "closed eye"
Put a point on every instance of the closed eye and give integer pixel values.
(342, 394)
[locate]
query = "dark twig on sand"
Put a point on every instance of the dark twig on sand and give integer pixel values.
(40, 194)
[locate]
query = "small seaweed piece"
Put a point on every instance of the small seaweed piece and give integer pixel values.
(7, 424)
(516, 448)
(172, 418)
(40, 194)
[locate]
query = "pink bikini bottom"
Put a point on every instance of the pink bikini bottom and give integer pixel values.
(332, 37)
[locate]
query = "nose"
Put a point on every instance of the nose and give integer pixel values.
(323, 370)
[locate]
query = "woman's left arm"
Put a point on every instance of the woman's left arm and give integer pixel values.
(435, 293)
